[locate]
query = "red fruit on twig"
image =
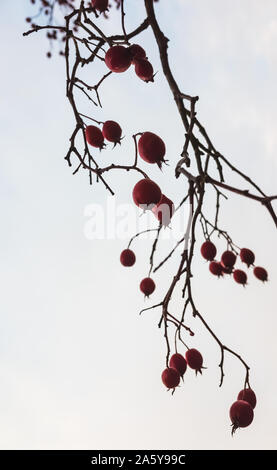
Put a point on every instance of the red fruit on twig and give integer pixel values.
(194, 360)
(100, 5)
(228, 259)
(170, 378)
(144, 70)
(147, 286)
(146, 193)
(137, 52)
(118, 59)
(248, 395)
(247, 256)
(216, 268)
(179, 363)
(260, 273)
(241, 414)
(127, 257)
(240, 276)
(208, 250)
(164, 210)
(112, 131)
(151, 148)
(94, 136)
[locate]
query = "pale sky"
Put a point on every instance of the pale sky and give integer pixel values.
(78, 367)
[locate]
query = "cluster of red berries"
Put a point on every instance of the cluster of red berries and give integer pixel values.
(111, 131)
(178, 365)
(228, 261)
(147, 195)
(147, 285)
(127, 259)
(119, 58)
(241, 411)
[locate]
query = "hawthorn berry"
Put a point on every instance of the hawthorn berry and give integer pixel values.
(170, 377)
(216, 268)
(144, 70)
(208, 250)
(247, 256)
(240, 276)
(228, 259)
(112, 131)
(147, 286)
(226, 270)
(127, 257)
(151, 148)
(194, 360)
(100, 5)
(248, 395)
(146, 193)
(164, 210)
(137, 52)
(179, 363)
(94, 136)
(260, 273)
(241, 414)
(118, 59)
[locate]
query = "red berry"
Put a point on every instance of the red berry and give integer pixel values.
(151, 148)
(100, 5)
(247, 256)
(228, 259)
(194, 360)
(216, 268)
(164, 210)
(144, 70)
(248, 395)
(240, 276)
(94, 136)
(208, 250)
(147, 286)
(170, 378)
(226, 270)
(118, 59)
(146, 193)
(179, 363)
(127, 257)
(260, 273)
(112, 131)
(137, 52)
(241, 414)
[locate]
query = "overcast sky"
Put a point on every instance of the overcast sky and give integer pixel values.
(78, 367)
